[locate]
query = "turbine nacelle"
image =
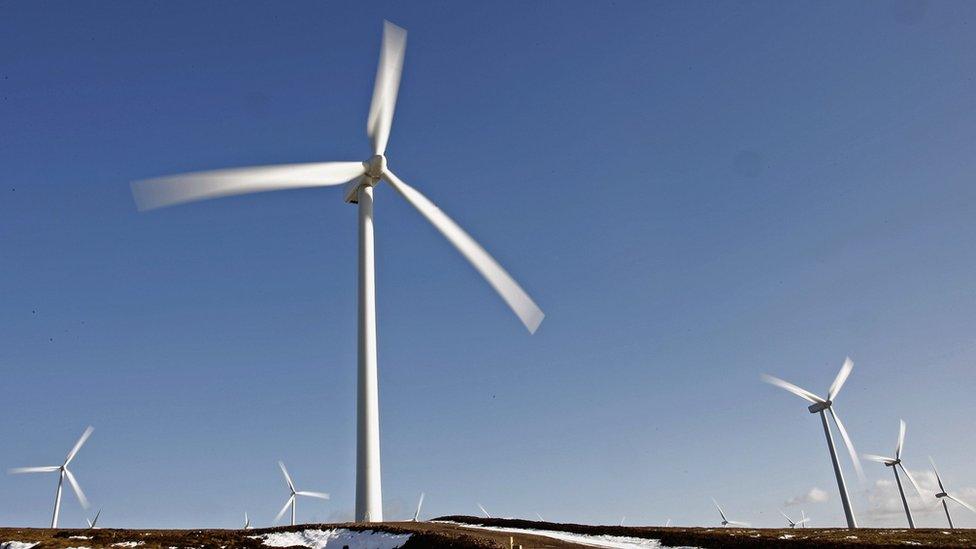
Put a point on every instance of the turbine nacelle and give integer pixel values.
(818, 407)
(375, 168)
(941, 495)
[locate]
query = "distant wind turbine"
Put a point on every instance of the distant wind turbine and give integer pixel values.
(792, 523)
(247, 521)
(540, 517)
(803, 519)
(294, 495)
(667, 524)
(484, 511)
(944, 495)
(92, 523)
(725, 521)
(821, 406)
(622, 520)
(359, 178)
(416, 516)
(63, 472)
(895, 463)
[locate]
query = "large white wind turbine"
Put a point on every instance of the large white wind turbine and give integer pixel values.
(293, 497)
(63, 472)
(725, 521)
(895, 463)
(943, 496)
(821, 406)
(361, 178)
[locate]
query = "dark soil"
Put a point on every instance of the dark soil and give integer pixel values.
(749, 537)
(441, 535)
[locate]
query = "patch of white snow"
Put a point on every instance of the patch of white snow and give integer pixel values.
(335, 538)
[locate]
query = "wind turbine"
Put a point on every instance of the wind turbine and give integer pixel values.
(725, 521)
(895, 463)
(487, 515)
(540, 517)
(944, 495)
(821, 406)
(247, 521)
(294, 495)
(63, 472)
(803, 519)
(416, 516)
(667, 524)
(93, 522)
(794, 524)
(360, 178)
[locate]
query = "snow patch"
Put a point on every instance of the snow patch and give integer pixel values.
(128, 544)
(79, 537)
(605, 541)
(335, 538)
(17, 545)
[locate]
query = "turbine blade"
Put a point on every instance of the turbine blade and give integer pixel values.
(720, 511)
(787, 517)
(802, 393)
(77, 488)
(387, 86)
(291, 485)
(911, 479)
(937, 477)
(21, 470)
(961, 502)
(94, 521)
(420, 503)
(879, 459)
(848, 443)
(189, 187)
(487, 515)
(77, 446)
(845, 371)
(320, 495)
(285, 508)
(89, 521)
(513, 294)
(901, 439)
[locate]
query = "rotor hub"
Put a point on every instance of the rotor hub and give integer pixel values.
(819, 406)
(375, 167)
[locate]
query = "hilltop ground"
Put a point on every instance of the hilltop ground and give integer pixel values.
(470, 533)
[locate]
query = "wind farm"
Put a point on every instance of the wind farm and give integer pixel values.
(692, 206)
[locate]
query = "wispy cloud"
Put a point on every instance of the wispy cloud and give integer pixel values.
(814, 495)
(885, 502)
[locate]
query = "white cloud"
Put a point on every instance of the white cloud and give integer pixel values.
(814, 495)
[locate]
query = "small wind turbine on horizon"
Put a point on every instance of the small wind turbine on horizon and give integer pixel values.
(359, 178)
(821, 406)
(416, 516)
(63, 472)
(292, 499)
(944, 495)
(725, 521)
(794, 524)
(92, 523)
(247, 521)
(487, 515)
(895, 463)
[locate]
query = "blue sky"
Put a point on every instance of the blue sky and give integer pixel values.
(695, 194)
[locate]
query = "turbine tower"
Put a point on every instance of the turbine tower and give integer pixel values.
(822, 406)
(943, 496)
(63, 472)
(895, 463)
(291, 498)
(360, 178)
(725, 521)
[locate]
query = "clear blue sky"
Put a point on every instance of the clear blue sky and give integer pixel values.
(694, 193)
